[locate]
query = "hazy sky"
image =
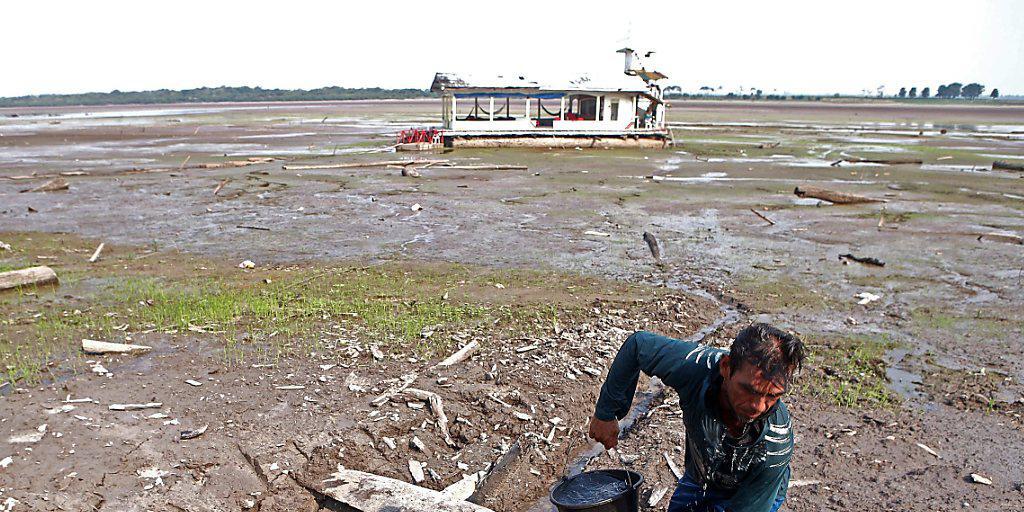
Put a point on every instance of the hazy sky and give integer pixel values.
(795, 46)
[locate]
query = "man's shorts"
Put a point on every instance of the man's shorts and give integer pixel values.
(689, 497)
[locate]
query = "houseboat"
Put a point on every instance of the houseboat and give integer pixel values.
(514, 111)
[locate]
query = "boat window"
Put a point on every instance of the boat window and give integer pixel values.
(614, 114)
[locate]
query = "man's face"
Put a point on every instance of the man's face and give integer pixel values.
(747, 392)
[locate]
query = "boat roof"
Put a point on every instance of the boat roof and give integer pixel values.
(520, 85)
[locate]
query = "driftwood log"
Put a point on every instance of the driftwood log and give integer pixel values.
(106, 347)
(354, 165)
(886, 161)
(367, 492)
(53, 185)
(33, 276)
(833, 196)
(652, 244)
(1007, 166)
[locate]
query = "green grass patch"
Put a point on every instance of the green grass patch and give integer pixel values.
(849, 371)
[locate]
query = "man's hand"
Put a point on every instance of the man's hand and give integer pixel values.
(605, 432)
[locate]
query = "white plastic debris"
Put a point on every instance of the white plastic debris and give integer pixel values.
(416, 207)
(31, 437)
(7, 461)
(866, 298)
(247, 264)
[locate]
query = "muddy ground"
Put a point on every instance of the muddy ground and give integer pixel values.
(935, 361)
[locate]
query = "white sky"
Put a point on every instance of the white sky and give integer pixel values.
(795, 46)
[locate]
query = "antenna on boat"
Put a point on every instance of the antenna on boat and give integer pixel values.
(634, 66)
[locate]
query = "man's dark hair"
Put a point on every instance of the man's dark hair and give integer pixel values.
(777, 353)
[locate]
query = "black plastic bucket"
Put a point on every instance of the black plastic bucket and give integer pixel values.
(603, 490)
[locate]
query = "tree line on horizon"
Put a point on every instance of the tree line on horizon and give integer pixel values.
(952, 90)
(212, 95)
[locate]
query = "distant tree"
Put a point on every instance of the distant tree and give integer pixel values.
(926, 92)
(995, 93)
(758, 94)
(913, 92)
(954, 89)
(972, 90)
(673, 90)
(902, 93)
(942, 91)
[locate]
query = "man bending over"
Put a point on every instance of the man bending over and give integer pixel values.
(739, 437)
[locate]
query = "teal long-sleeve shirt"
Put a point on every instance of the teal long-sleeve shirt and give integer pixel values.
(755, 473)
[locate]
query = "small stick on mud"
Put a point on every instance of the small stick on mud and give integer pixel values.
(106, 347)
(96, 255)
(221, 185)
(182, 166)
(763, 217)
(459, 356)
(258, 228)
(672, 466)
(405, 381)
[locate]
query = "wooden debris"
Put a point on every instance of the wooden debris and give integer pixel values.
(354, 165)
(803, 483)
(1007, 166)
(885, 161)
(395, 389)
(522, 416)
(390, 442)
(221, 186)
(135, 407)
(763, 217)
(463, 489)
(672, 466)
(656, 496)
(929, 450)
(863, 259)
(416, 444)
(498, 471)
(527, 348)
(32, 276)
(54, 185)
(366, 492)
(258, 228)
(460, 355)
(436, 407)
(1002, 237)
(834, 197)
(192, 434)
(484, 167)
(289, 388)
(96, 255)
(375, 351)
(106, 347)
(769, 145)
(652, 244)
(416, 470)
(596, 233)
(194, 383)
(978, 479)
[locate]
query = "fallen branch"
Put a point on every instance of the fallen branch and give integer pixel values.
(437, 407)
(886, 161)
(1007, 166)
(221, 186)
(863, 259)
(354, 165)
(764, 218)
(403, 383)
(53, 185)
(106, 347)
(1002, 237)
(834, 197)
(485, 167)
(135, 407)
(32, 276)
(462, 354)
